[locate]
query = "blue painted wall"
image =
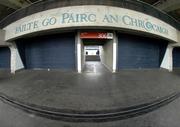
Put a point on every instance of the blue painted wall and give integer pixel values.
(50, 51)
(139, 52)
(4, 58)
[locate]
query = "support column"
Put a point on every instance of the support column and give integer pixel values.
(167, 62)
(115, 47)
(78, 52)
(2, 39)
(16, 62)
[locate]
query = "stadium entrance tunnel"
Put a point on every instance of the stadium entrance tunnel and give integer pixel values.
(96, 52)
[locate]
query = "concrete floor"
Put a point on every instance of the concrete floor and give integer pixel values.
(95, 89)
(95, 67)
(167, 116)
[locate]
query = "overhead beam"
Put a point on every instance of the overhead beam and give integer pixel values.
(15, 4)
(168, 5)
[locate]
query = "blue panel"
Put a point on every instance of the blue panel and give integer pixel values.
(4, 58)
(139, 52)
(52, 51)
(176, 57)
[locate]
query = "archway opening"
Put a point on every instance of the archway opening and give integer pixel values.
(97, 52)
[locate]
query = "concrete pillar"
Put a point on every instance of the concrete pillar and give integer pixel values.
(167, 62)
(16, 62)
(82, 56)
(115, 49)
(2, 39)
(13, 58)
(78, 53)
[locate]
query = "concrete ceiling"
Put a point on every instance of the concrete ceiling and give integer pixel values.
(9, 6)
(15, 4)
(149, 1)
(171, 7)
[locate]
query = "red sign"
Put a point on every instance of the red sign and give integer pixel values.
(96, 35)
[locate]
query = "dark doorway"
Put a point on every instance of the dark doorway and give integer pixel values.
(4, 58)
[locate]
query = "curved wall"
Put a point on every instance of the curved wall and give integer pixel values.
(107, 17)
(51, 4)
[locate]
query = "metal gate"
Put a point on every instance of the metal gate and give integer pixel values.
(176, 57)
(135, 52)
(4, 58)
(51, 51)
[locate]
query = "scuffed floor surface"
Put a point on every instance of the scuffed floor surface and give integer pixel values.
(97, 89)
(167, 116)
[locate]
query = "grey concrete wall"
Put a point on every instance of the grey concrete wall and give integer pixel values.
(2, 38)
(82, 56)
(106, 54)
(101, 54)
(179, 37)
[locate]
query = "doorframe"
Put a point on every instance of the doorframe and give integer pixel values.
(78, 51)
